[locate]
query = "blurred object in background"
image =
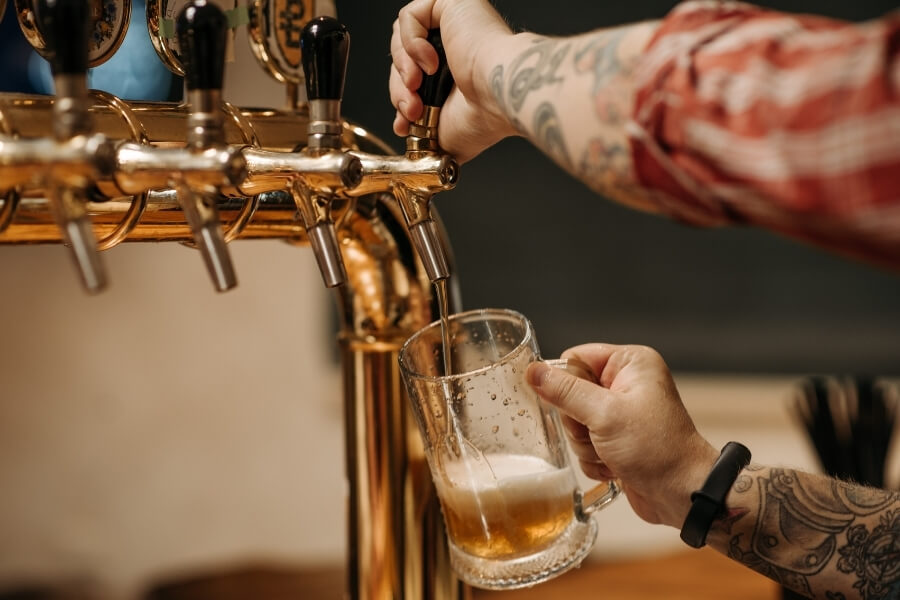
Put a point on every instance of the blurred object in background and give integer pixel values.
(850, 422)
(133, 73)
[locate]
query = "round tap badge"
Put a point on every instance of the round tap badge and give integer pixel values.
(161, 16)
(111, 19)
(274, 34)
(110, 24)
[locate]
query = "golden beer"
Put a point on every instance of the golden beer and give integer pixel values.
(520, 510)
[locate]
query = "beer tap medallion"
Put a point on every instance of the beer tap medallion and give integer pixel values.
(110, 24)
(161, 15)
(274, 34)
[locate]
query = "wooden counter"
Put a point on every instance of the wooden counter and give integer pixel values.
(688, 575)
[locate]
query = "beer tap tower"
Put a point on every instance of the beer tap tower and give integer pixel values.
(90, 170)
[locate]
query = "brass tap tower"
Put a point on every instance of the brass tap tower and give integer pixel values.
(90, 170)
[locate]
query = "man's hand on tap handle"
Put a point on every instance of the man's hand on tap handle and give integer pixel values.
(571, 97)
(471, 119)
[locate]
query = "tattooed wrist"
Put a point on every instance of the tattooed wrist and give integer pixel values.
(815, 534)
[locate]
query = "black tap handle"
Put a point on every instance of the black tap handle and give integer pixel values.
(202, 30)
(435, 88)
(65, 26)
(324, 46)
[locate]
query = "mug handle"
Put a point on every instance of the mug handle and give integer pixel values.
(587, 503)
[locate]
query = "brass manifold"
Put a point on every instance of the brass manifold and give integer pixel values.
(397, 547)
(125, 206)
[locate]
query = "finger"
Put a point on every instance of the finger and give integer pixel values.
(406, 102)
(573, 396)
(401, 125)
(608, 361)
(576, 431)
(585, 452)
(410, 73)
(580, 440)
(596, 356)
(414, 21)
(596, 470)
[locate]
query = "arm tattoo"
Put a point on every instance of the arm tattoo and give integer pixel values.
(800, 522)
(543, 92)
(497, 86)
(874, 557)
(607, 159)
(548, 133)
(532, 70)
(601, 55)
(535, 68)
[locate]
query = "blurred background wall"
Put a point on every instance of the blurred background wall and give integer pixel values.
(161, 428)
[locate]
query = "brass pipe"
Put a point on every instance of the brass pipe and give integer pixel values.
(164, 123)
(397, 544)
(430, 173)
(161, 220)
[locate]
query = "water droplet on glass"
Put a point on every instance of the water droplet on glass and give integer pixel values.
(506, 402)
(495, 429)
(521, 412)
(493, 396)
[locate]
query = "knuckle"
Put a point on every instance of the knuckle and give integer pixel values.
(565, 387)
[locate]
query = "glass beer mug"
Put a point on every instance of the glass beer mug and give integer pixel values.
(513, 511)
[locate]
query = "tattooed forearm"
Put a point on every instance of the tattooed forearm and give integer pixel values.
(874, 557)
(572, 97)
(607, 158)
(820, 536)
(549, 134)
(601, 55)
(535, 68)
(497, 86)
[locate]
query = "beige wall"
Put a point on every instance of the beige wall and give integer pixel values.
(163, 426)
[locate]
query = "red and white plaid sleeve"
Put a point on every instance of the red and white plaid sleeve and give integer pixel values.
(790, 122)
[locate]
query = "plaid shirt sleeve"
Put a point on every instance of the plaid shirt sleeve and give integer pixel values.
(789, 122)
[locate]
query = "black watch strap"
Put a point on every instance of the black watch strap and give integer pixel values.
(709, 501)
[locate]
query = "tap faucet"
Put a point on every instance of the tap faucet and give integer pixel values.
(421, 142)
(201, 27)
(421, 172)
(67, 24)
(325, 45)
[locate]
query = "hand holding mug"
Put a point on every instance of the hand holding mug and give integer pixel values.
(514, 513)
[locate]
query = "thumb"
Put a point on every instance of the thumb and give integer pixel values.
(573, 396)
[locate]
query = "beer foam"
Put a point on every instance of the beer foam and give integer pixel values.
(511, 473)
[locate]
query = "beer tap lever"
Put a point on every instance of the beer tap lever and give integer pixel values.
(201, 28)
(422, 143)
(433, 91)
(325, 45)
(66, 23)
